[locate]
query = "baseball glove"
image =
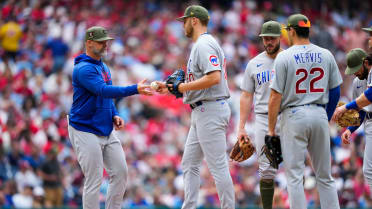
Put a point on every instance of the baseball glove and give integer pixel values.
(175, 80)
(272, 150)
(242, 150)
(349, 118)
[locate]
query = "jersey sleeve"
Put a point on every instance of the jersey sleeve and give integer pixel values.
(92, 81)
(369, 79)
(248, 83)
(280, 74)
(355, 91)
(335, 78)
(208, 59)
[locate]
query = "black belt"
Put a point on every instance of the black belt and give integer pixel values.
(198, 103)
(320, 105)
(369, 115)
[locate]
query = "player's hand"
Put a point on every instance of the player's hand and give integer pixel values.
(162, 88)
(144, 89)
(339, 112)
(346, 136)
(118, 122)
(242, 135)
(271, 133)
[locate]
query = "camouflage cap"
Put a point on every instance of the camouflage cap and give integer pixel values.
(97, 33)
(298, 20)
(271, 28)
(354, 60)
(195, 11)
(368, 30)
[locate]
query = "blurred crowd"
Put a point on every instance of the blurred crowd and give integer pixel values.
(39, 40)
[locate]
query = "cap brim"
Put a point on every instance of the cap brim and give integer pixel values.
(367, 29)
(352, 70)
(104, 39)
(181, 19)
(269, 35)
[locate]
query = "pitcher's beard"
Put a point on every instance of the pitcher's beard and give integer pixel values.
(274, 50)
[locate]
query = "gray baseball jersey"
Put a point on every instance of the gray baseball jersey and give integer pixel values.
(359, 86)
(206, 56)
(303, 75)
(368, 84)
(310, 71)
(257, 77)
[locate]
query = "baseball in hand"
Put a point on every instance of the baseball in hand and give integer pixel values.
(154, 85)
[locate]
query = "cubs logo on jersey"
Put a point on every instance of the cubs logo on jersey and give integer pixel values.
(213, 60)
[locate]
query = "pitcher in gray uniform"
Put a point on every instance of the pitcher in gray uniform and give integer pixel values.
(306, 80)
(359, 64)
(257, 77)
(206, 91)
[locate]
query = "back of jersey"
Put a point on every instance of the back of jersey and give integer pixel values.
(304, 74)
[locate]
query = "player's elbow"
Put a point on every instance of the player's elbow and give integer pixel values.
(214, 77)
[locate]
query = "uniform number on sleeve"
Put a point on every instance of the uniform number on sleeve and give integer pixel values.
(319, 72)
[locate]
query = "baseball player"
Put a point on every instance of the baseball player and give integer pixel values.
(91, 120)
(359, 64)
(206, 91)
(369, 31)
(257, 77)
(305, 90)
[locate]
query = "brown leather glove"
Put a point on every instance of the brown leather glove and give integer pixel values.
(242, 150)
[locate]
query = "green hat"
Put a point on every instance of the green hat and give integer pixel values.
(368, 30)
(97, 33)
(298, 20)
(195, 11)
(354, 60)
(271, 28)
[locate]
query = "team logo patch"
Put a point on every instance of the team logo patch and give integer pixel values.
(213, 60)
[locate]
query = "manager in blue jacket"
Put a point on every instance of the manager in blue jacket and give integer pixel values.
(92, 118)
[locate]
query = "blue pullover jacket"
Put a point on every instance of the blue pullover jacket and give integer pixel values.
(92, 107)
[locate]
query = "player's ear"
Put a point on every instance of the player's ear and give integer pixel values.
(194, 20)
(365, 63)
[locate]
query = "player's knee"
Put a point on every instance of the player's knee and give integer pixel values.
(267, 174)
(121, 173)
(189, 167)
(325, 180)
(93, 181)
(195, 170)
(265, 171)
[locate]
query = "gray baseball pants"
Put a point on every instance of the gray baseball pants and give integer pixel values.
(207, 138)
(95, 153)
(367, 159)
(265, 170)
(306, 128)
